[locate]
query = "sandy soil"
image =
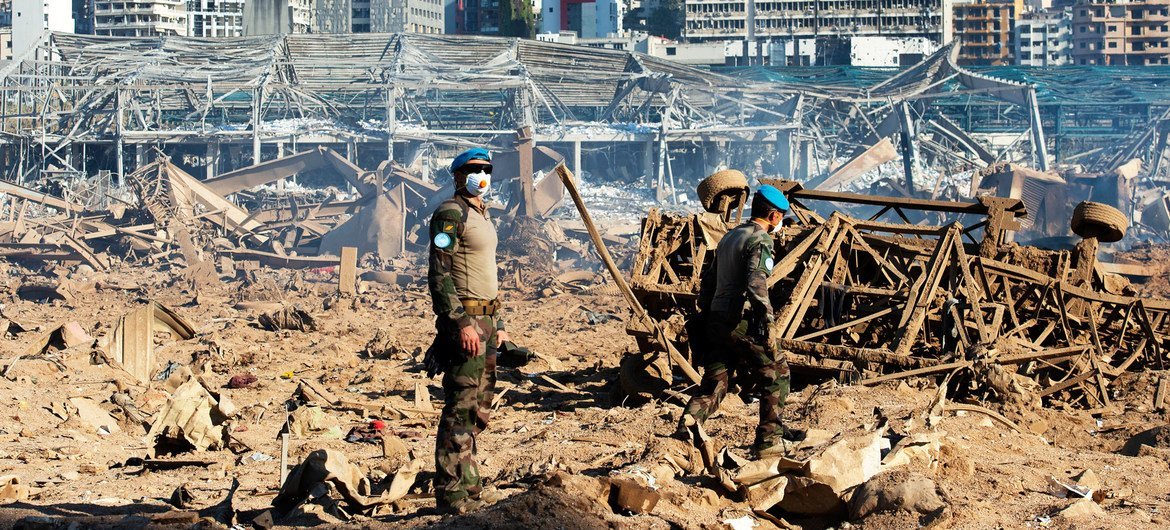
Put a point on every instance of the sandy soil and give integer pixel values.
(990, 476)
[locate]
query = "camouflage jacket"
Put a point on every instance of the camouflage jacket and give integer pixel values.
(447, 234)
(739, 274)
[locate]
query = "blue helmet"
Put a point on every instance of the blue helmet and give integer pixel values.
(774, 197)
(475, 153)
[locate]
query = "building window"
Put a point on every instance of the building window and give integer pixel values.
(672, 51)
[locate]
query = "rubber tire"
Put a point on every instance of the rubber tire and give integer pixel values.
(717, 184)
(1104, 222)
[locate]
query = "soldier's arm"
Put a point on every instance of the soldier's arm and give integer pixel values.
(707, 284)
(759, 267)
(445, 229)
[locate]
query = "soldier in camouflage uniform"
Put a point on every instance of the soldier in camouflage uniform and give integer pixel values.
(464, 292)
(727, 340)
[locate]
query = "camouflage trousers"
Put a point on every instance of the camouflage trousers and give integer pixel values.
(727, 353)
(468, 385)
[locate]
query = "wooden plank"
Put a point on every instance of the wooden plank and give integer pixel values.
(1160, 394)
(851, 323)
(929, 370)
(1068, 383)
(639, 312)
(914, 313)
(1045, 354)
(347, 277)
(283, 459)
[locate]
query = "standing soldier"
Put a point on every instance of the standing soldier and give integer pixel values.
(465, 295)
(724, 339)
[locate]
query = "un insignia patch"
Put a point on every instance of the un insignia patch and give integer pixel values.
(443, 240)
(768, 264)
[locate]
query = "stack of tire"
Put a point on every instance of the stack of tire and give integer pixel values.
(718, 184)
(1104, 222)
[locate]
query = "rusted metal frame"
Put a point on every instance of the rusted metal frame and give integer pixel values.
(964, 339)
(896, 228)
(1066, 384)
(653, 219)
(880, 213)
(850, 353)
(1005, 291)
(639, 312)
(1051, 353)
(859, 241)
(974, 293)
(1045, 333)
(785, 325)
(840, 263)
(1024, 326)
(902, 215)
(1095, 359)
(922, 293)
(1144, 320)
(1091, 370)
(851, 323)
(795, 190)
(1058, 293)
(1125, 323)
(1138, 351)
(929, 370)
(796, 256)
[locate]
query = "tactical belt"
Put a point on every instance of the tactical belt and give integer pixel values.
(480, 308)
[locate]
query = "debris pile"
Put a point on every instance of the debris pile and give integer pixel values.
(862, 299)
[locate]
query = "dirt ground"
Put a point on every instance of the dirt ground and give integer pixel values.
(547, 440)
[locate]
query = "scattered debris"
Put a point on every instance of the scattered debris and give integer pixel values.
(194, 415)
(292, 318)
(241, 381)
(96, 417)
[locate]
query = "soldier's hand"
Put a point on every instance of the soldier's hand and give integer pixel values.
(469, 338)
(502, 337)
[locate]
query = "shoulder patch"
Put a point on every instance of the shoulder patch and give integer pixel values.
(769, 264)
(443, 240)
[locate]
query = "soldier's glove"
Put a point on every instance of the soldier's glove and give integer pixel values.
(760, 328)
(431, 362)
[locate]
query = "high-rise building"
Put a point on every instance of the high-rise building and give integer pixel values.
(589, 19)
(273, 17)
(215, 18)
(477, 17)
(6, 14)
(985, 30)
(1121, 33)
(83, 16)
(5, 43)
(32, 18)
(1044, 38)
(140, 18)
(380, 16)
(801, 32)
(752, 20)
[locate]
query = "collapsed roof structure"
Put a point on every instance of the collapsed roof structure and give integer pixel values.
(82, 105)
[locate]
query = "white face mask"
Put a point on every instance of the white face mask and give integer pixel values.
(778, 226)
(478, 183)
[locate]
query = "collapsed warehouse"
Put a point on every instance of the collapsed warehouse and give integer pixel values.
(242, 180)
